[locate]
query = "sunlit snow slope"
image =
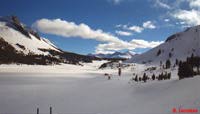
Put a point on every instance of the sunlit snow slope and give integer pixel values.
(178, 46)
(16, 34)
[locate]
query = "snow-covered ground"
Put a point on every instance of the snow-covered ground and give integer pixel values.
(73, 89)
(64, 68)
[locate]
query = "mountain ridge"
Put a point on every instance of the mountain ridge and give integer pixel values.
(20, 41)
(115, 55)
(177, 46)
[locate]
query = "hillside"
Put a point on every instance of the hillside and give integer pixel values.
(21, 44)
(178, 46)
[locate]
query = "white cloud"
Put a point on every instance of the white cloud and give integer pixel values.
(135, 43)
(194, 3)
(70, 29)
(118, 26)
(125, 26)
(149, 25)
(121, 26)
(190, 17)
(103, 52)
(137, 29)
(166, 20)
(159, 3)
(186, 17)
(123, 33)
(145, 44)
(182, 23)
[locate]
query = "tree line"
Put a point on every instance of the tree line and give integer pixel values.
(187, 68)
(145, 77)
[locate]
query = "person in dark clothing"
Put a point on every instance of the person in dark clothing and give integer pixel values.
(119, 71)
(119, 68)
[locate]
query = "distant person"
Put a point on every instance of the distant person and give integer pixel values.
(119, 71)
(109, 77)
(119, 68)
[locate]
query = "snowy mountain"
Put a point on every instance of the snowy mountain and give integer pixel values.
(21, 44)
(23, 39)
(178, 46)
(125, 55)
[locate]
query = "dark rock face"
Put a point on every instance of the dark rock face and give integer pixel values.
(14, 22)
(71, 58)
(33, 32)
(19, 27)
(6, 52)
(21, 46)
(170, 38)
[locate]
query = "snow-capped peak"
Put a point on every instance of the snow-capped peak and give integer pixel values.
(125, 55)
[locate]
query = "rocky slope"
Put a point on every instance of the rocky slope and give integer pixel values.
(21, 44)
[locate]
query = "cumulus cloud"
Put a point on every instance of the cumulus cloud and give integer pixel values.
(190, 17)
(194, 3)
(137, 29)
(185, 12)
(166, 20)
(145, 44)
(118, 26)
(70, 29)
(186, 17)
(133, 44)
(149, 25)
(159, 3)
(123, 33)
(110, 42)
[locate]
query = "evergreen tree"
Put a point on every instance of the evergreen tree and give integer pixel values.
(168, 64)
(159, 52)
(140, 79)
(136, 78)
(165, 76)
(185, 70)
(153, 77)
(176, 61)
(170, 55)
(169, 76)
(161, 76)
(196, 63)
(191, 60)
(160, 63)
(144, 78)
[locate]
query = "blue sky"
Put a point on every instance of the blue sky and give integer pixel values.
(111, 25)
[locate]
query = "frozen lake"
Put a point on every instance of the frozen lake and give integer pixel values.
(23, 93)
(85, 90)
